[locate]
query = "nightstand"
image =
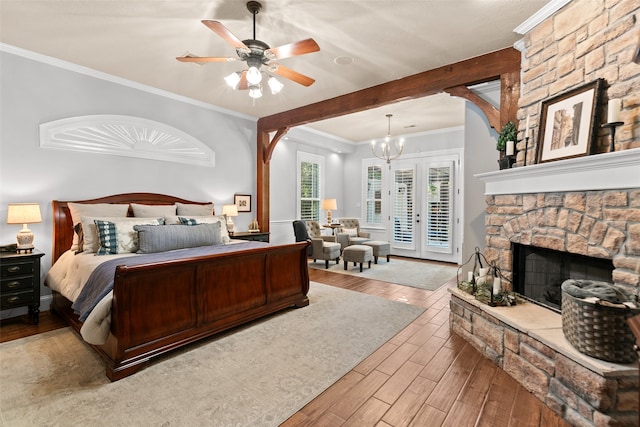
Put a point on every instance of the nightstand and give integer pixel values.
(20, 282)
(246, 235)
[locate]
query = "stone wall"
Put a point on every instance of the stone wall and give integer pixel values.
(579, 395)
(601, 224)
(583, 41)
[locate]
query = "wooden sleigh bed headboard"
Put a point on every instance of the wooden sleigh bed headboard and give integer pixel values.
(63, 224)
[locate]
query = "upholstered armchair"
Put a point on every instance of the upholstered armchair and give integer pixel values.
(320, 249)
(350, 234)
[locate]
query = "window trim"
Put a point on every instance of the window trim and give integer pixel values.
(302, 156)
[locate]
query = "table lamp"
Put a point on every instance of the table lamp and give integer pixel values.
(230, 211)
(24, 213)
(329, 205)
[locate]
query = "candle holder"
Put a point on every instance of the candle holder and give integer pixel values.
(612, 127)
(511, 160)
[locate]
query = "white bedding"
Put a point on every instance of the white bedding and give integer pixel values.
(68, 276)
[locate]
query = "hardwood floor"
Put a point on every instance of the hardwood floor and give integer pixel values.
(424, 376)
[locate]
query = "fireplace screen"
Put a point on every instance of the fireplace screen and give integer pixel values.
(538, 273)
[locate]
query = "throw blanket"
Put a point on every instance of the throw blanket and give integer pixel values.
(595, 289)
(100, 282)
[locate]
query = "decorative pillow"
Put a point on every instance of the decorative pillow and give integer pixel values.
(187, 221)
(78, 210)
(107, 237)
(127, 237)
(77, 229)
(150, 211)
(193, 209)
(153, 238)
(350, 231)
(206, 219)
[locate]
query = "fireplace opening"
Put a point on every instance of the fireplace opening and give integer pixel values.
(538, 273)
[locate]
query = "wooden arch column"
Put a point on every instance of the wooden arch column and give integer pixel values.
(454, 79)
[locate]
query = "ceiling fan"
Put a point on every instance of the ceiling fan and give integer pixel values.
(257, 53)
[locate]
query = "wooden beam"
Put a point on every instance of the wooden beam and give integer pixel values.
(263, 176)
(481, 69)
(492, 113)
(503, 64)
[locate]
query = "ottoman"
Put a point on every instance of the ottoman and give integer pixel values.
(358, 254)
(380, 248)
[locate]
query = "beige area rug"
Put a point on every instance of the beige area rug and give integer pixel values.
(403, 272)
(258, 375)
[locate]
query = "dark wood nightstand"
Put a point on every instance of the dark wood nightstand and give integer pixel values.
(20, 282)
(246, 235)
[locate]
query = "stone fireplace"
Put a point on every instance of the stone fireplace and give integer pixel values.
(582, 207)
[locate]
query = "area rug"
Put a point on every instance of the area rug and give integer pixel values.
(258, 375)
(403, 272)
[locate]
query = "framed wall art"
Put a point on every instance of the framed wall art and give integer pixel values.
(243, 202)
(568, 123)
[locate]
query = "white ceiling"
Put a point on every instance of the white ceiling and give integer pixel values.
(388, 39)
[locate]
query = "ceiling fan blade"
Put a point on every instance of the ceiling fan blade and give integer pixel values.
(292, 49)
(224, 32)
(243, 84)
(204, 59)
(288, 73)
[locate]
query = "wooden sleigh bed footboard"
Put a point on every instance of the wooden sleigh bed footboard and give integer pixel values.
(162, 306)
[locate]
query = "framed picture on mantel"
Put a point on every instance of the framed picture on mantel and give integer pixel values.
(568, 123)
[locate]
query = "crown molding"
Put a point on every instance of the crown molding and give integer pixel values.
(545, 12)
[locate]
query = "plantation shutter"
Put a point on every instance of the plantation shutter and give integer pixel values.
(374, 195)
(403, 204)
(309, 191)
(439, 207)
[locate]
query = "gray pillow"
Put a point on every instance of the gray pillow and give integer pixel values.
(161, 238)
(193, 209)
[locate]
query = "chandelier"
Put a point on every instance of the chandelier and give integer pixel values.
(383, 150)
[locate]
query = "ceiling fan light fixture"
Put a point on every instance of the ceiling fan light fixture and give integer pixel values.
(233, 79)
(254, 76)
(275, 85)
(255, 91)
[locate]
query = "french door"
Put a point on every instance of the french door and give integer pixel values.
(423, 218)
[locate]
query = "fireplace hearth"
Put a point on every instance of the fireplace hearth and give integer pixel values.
(538, 273)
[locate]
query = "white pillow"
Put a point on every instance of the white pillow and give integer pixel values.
(350, 231)
(127, 236)
(78, 210)
(203, 219)
(193, 209)
(152, 211)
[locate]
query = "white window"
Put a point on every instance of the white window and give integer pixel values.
(373, 195)
(310, 169)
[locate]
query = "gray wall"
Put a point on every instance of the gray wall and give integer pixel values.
(34, 92)
(480, 156)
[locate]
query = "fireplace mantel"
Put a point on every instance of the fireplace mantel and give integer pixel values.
(607, 171)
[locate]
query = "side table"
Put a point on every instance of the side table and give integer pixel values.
(257, 236)
(20, 282)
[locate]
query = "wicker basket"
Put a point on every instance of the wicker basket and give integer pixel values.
(599, 330)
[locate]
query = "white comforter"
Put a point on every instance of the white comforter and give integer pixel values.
(68, 276)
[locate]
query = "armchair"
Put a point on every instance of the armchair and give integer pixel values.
(350, 233)
(320, 249)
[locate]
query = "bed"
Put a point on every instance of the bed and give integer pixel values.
(158, 306)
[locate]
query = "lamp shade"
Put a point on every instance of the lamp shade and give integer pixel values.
(23, 213)
(230, 210)
(329, 204)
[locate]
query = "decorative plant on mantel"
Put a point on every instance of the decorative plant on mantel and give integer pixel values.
(509, 132)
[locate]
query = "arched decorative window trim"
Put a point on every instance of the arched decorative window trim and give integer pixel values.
(125, 136)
